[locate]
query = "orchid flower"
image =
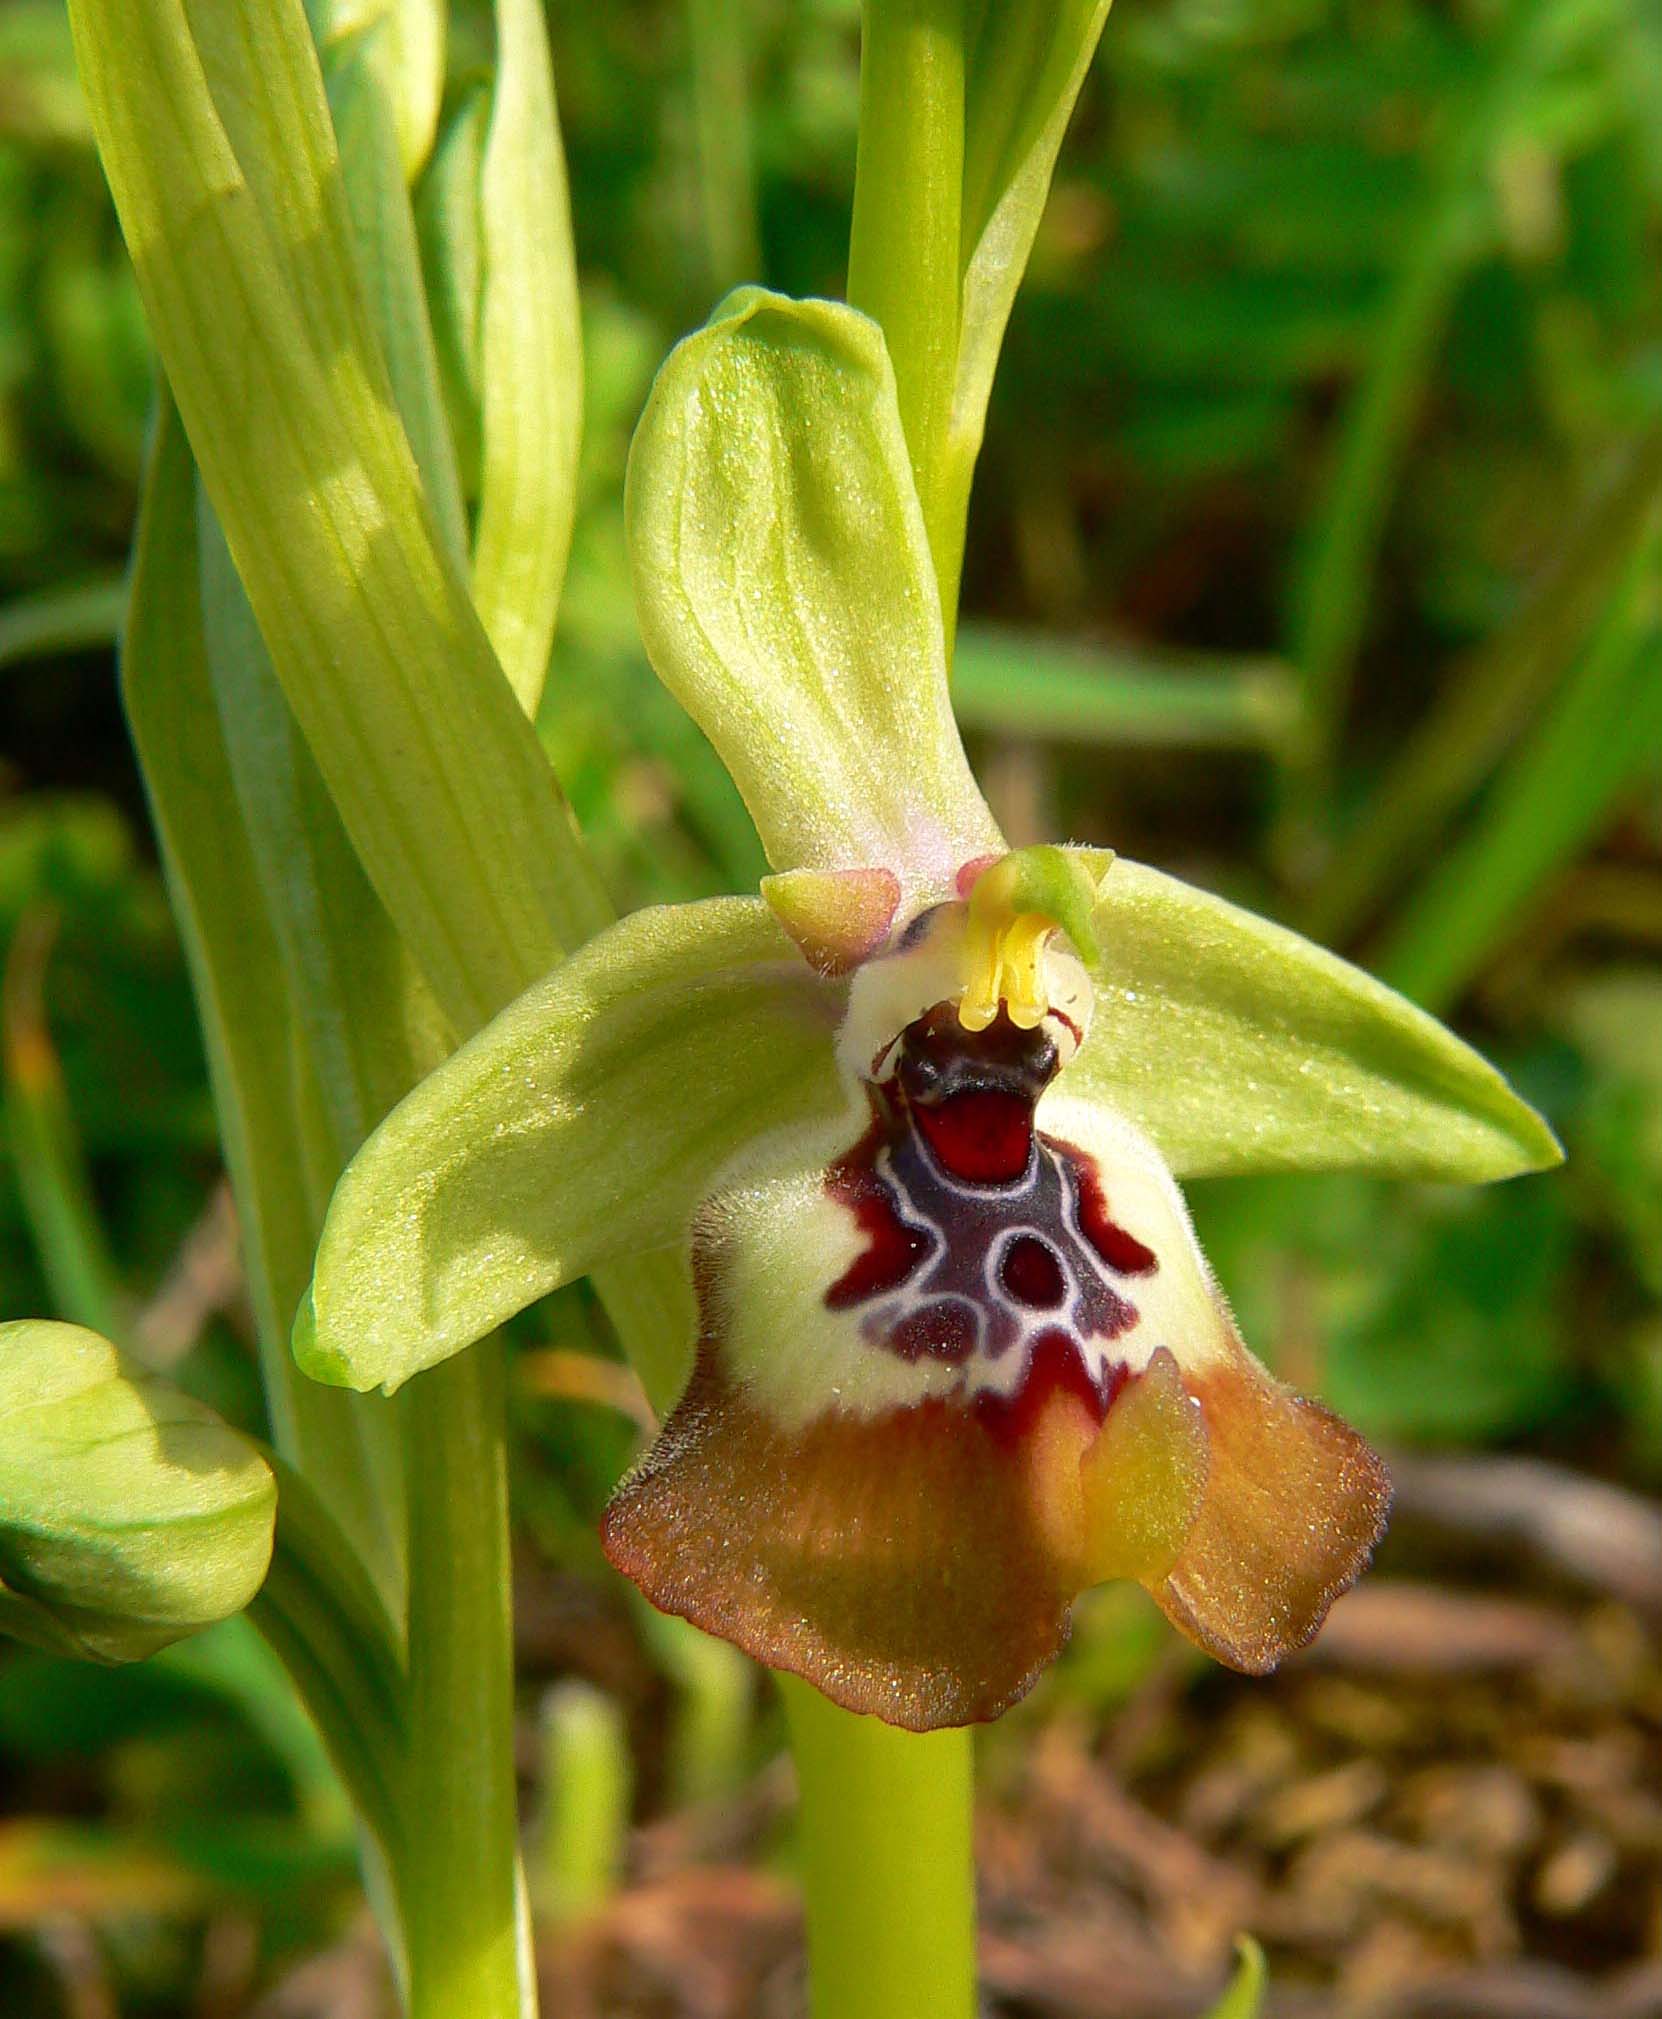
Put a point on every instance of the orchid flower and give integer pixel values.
(915, 1116)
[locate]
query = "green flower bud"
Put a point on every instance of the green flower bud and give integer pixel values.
(130, 1515)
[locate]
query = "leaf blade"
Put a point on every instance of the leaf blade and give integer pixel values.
(532, 359)
(244, 252)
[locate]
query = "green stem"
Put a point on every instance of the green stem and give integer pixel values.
(718, 39)
(888, 1871)
(904, 249)
(457, 1875)
(322, 1618)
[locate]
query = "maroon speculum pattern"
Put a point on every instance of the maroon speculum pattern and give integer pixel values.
(984, 1239)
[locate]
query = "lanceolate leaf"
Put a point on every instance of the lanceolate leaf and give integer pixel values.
(1238, 1046)
(452, 257)
(371, 1026)
(243, 252)
(531, 378)
(391, 266)
(584, 1124)
(243, 1002)
(787, 596)
(405, 40)
(1023, 72)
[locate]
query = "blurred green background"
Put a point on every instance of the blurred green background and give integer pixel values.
(1314, 556)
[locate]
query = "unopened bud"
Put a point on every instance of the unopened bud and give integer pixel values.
(130, 1515)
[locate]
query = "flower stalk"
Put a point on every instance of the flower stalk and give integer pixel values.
(887, 1870)
(459, 1894)
(903, 253)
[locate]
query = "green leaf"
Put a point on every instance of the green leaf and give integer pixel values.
(1238, 1046)
(1023, 72)
(786, 593)
(53, 1180)
(319, 1613)
(532, 359)
(243, 248)
(1026, 684)
(1339, 543)
(390, 262)
(236, 959)
(71, 618)
(1593, 749)
(130, 1515)
(451, 232)
(370, 1026)
(406, 41)
(1506, 681)
(584, 1123)
(1244, 1999)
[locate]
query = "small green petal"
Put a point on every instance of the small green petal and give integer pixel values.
(585, 1122)
(1238, 1046)
(838, 917)
(786, 593)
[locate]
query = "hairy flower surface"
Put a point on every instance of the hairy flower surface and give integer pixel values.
(915, 1117)
(959, 1365)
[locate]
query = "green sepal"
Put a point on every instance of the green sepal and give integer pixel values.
(130, 1515)
(584, 1123)
(786, 593)
(1238, 1046)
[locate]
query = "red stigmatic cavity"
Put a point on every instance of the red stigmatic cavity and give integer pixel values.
(985, 1138)
(982, 1236)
